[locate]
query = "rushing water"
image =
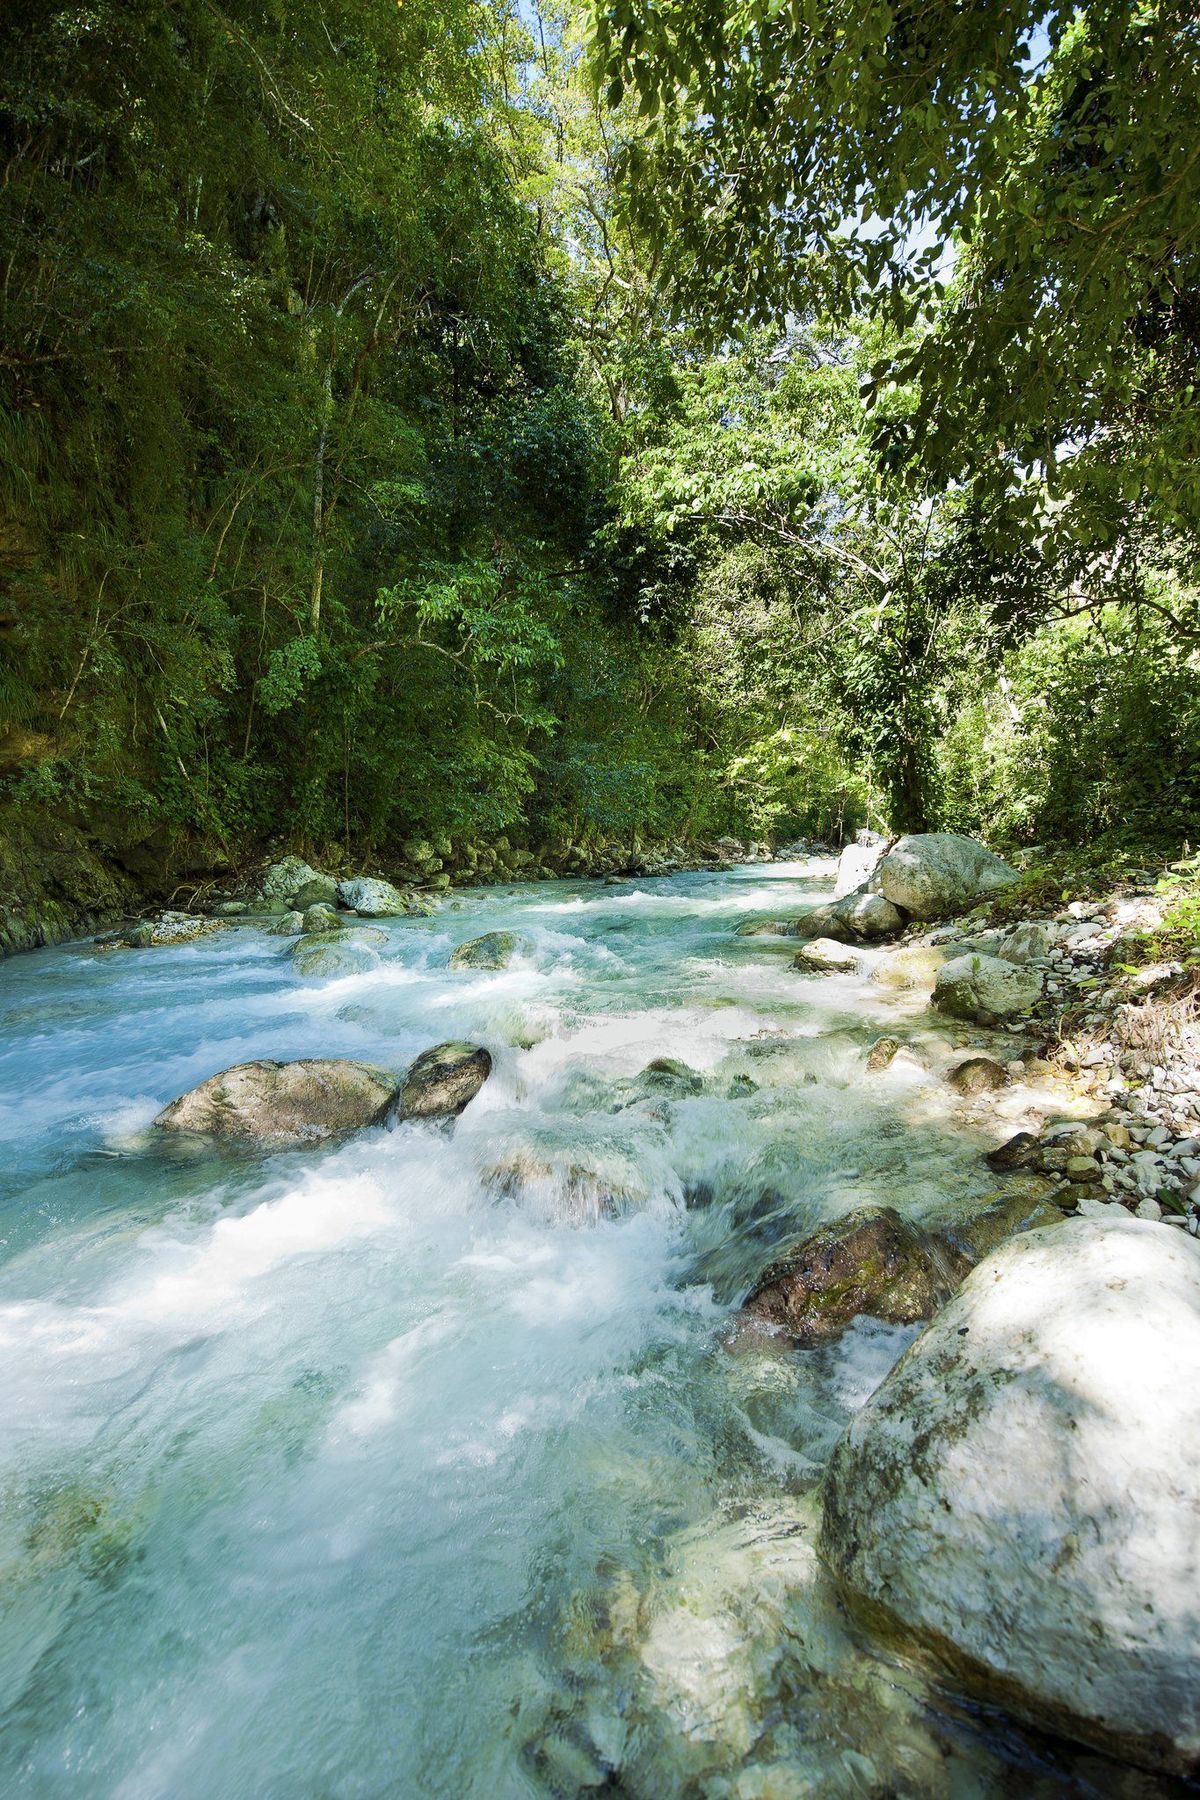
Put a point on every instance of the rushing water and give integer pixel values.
(415, 1465)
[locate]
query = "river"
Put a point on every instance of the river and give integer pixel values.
(415, 1465)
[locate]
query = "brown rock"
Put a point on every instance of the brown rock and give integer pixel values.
(976, 1075)
(872, 1261)
(299, 1102)
(880, 1055)
(1015, 1153)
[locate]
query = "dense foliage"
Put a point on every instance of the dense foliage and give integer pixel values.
(400, 437)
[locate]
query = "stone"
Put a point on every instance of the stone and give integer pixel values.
(289, 924)
(1020, 1206)
(443, 1081)
(1027, 942)
(335, 953)
(494, 950)
(867, 915)
(976, 1075)
(933, 874)
(284, 880)
(371, 897)
(985, 988)
(320, 888)
(320, 917)
(299, 1102)
(766, 928)
(1016, 1152)
(826, 956)
(666, 1074)
(881, 1053)
(871, 1261)
(914, 967)
(1021, 1495)
(856, 865)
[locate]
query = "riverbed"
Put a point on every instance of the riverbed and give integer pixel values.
(417, 1464)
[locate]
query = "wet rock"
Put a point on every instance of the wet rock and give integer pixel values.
(1020, 1206)
(872, 1262)
(881, 1053)
(985, 989)
(914, 967)
(443, 1081)
(334, 953)
(976, 1075)
(371, 897)
(494, 950)
(299, 1102)
(1059, 1582)
(320, 917)
(826, 957)
(933, 874)
(666, 1074)
(150, 933)
(289, 924)
(1017, 1152)
(767, 928)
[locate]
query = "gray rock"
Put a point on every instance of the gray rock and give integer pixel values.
(867, 915)
(826, 956)
(985, 989)
(494, 950)
(371, 897)
(320, 917)
(333, 953)
(1027, 942)
(976, 1075)
(1022, 1496)
(284, 1102)
(320, 888)
(932, 874)
(284, 880)
(289, 924)
(443, 1081)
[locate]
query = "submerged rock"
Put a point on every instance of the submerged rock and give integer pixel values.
(766, 928)
(494, 950)
(933, 874)
(1017, 1152)
(985, 989)
(667, 1075)
(443, 1081)
(371, 897)
(299, 1102)
(872, 1262)
(882, 1053)
(336, 952)
(1021, 1495)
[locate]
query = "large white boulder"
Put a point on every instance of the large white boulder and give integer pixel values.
(827, 956)
(857, 863)
(1022, 1492)
(985, 989)
(868, 915)
(371, 897)
(935, 873)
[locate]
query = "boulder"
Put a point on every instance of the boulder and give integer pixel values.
(936, 873)
(320, 917)
(443, 1081)
(766, 928)
(284, 1102)
(322, 888)
(667, 1075)
(371, 897)
(1027, 942)
(914, 967)
(1021, 1495)
(826, 956)
(335, 953)
(284, 880)
(857, 863)
(872, 1261)
(985, 989)
(1021, 1205)
(494, 950)
(976, 1075)
(867, 915)
(882, 1053)
(1017, 1152)
(289, 924)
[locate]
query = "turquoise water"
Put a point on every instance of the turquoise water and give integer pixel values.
(415, 1465)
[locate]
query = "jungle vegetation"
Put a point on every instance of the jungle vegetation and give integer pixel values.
(621, 423)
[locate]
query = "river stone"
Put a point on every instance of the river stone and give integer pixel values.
(443, 1081)
(868, 915)
(320, 888)
(985, 988)
(766, 928)
(335, 953)
(827, 956)
(976, 1075)
(1028, 942)
(289, 924)
(284, 880)
(1022, 1205)
(821, 922)
(494, 950)
(872, 1261)
(882, 1053)
(1017, 1152)
(911, 968)
(935, 873)
(371, 897)
(1022, 1493)
(284, 1102)
(667, 1075)
(320, 917)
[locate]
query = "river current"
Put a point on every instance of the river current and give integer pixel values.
(416, 1465)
